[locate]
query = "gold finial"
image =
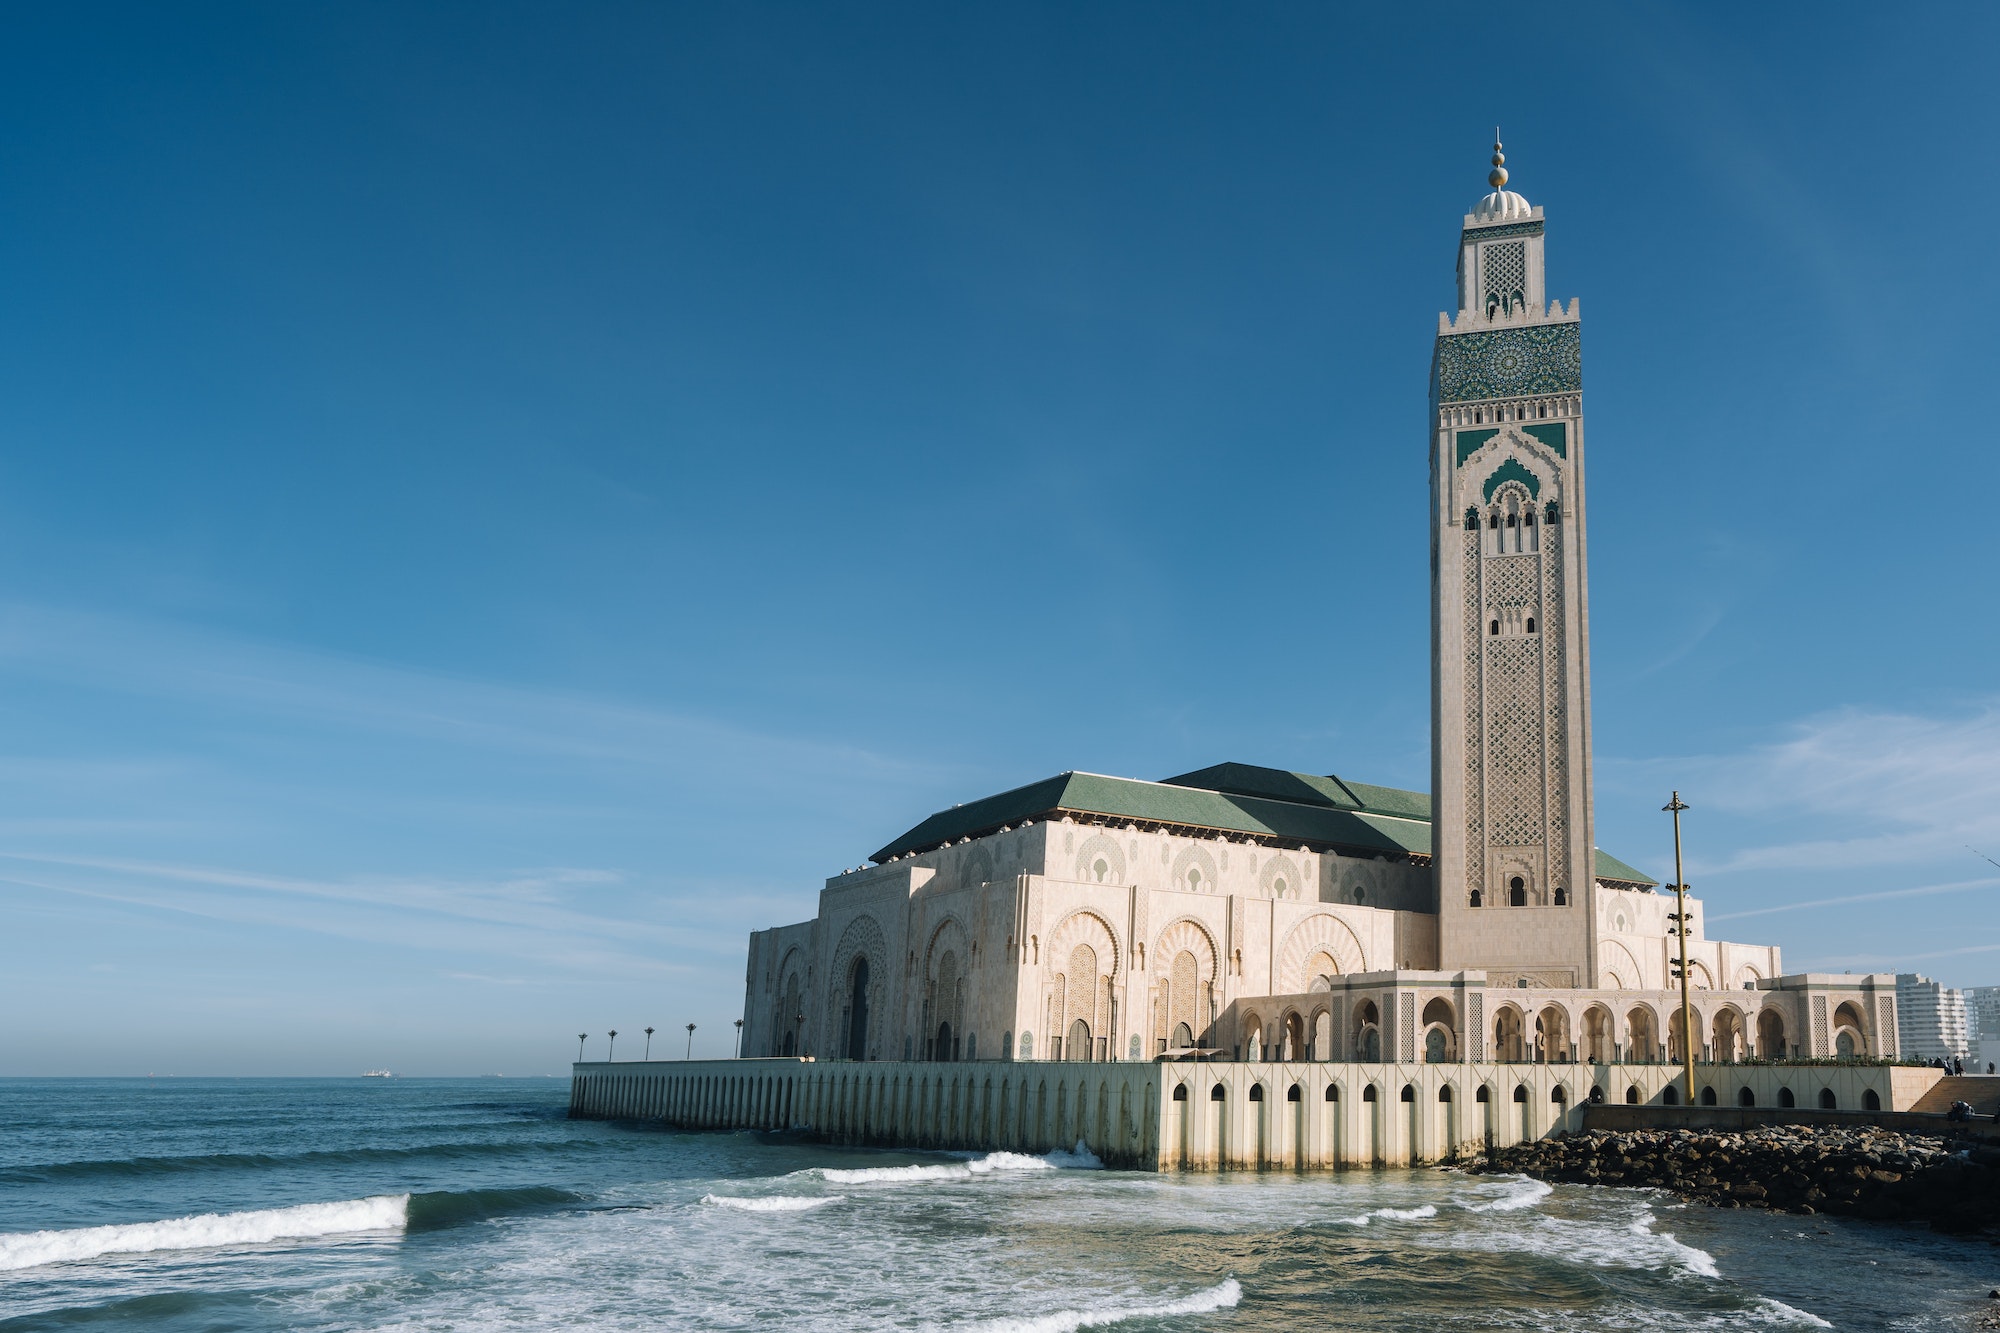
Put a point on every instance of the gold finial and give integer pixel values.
(1498, 176)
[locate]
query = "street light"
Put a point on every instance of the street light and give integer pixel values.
(739, 1039)
(608, 1056)
(649, 1043)
(1680, 928)
(689, 1055)
(579, 1046)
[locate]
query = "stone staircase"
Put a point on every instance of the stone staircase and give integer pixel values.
(1982, 1090)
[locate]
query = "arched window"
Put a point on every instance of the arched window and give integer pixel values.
(1215, 1093)
(1332, 1093)
(1551, 512)
(1256, 1092)
(1562, 897)
(1409, 1093)
(1632, 1095)
(1517, 892)
(1513, 520)
(1292, 1093)
(1483, 1095)
(1359, 893)
(857, 1009)
(1444, 1092)
(1475, 898)
(1471, 519)
(1007, 1045)
(1870, 1101)
(1527, 518)
(1180, 1092)
(1708, 1096)
(1494, 629)
(1785, 1097)
(1827, 1101)
(1520, 1092)
(1493, 520)
(1745, 1097)
(1183, 1037)
(1670, 1096)
(1368, 1093)
(1531, 624)
(1559, 1094)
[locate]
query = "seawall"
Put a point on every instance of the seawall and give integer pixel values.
(1224, 1116)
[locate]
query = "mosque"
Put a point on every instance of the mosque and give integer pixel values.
(1242, 914)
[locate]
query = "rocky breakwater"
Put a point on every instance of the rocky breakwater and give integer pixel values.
(1870, 1173)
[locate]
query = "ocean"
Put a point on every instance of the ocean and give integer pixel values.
(474, 1204)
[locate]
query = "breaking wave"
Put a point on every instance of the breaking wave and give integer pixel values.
(1791, 1314)
(1391, 1214)
(31, 1249)
(774, 1203)
(1525, 1194)
(1222, 1296)
(307, 1221)
(1079, 1158)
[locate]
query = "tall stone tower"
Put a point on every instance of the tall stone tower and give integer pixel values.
(1510, 661)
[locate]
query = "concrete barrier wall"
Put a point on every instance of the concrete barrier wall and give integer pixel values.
(995, 1105)
(1169, 1116)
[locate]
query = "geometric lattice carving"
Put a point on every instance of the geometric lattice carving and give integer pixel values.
(1506, 269)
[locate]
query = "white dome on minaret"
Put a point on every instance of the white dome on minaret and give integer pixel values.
(1503, 203)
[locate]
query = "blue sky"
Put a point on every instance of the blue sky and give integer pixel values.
(497, 502)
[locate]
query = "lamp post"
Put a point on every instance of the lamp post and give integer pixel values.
(689, 1053)
(608, 1056)
(649, 1043)
(579, 1046)
(1680, 929)
(739, 1039)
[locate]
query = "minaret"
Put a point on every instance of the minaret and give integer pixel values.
(1510, 660)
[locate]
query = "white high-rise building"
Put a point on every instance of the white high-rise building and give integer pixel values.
(1982, 1012)
(1930, 1018)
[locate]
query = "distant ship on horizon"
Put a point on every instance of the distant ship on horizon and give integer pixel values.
(377, 1073)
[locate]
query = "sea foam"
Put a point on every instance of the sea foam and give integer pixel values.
(1391, 1215)
(31, 1249)
(1079, 1158)
(773, 1203)
(1526, 1193)
(1222, 1296)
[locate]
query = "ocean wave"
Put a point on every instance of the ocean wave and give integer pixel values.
(32, 1249)
(46, 1172)
(1687, 1256)
(1526, 1193)
(1788, 1314)
(1222, 1296)
(439, 1209)
(1391, 1214)
(1079, 1158)
(774, 1203)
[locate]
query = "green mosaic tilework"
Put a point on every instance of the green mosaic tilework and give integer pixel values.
(1511, 470)
(1469, 442)
(1555, 435)
(1508, 363)
(1502, 232)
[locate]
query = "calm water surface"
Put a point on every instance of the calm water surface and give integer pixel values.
(474, 1204)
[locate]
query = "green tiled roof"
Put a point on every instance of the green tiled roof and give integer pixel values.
(1230, 798)
(1086, 794)
(1610, 867)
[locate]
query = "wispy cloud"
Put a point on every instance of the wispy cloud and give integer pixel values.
(132, 655)
(1866, 789)
(1817, 904)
